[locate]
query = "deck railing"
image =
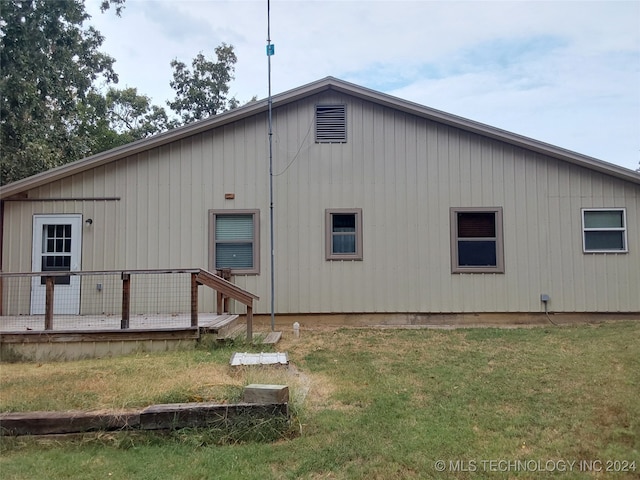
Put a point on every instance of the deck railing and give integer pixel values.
(119, 292)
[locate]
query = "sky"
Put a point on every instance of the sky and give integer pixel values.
(563, 72)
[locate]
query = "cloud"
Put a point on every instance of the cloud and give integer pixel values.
(173, 22)
(565, 72)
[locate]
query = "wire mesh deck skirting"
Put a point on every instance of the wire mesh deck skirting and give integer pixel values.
(140, 299)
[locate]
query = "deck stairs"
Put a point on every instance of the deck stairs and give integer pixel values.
(228, 327)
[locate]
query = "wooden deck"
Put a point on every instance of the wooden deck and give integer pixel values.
(67, 337)
(23, 338)
(96, 323)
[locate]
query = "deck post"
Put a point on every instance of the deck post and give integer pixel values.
(221, 298)
(48, 303)
(226, 274)
(194, 300)
(126, 300)
(218, 303)
(249, 323)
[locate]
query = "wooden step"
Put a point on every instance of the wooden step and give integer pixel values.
(272, 338)
(238, 331)
(220, 325)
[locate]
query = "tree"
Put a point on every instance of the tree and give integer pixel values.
(133, 116)
(120, 117)
(51, 111)
(203, 91)
(106, 4)
(50, 63)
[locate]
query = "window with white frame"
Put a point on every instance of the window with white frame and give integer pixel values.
(343, 234)
(234, 240)
(476, 240)
(604, 230)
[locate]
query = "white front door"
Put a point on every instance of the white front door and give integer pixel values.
(57, 243)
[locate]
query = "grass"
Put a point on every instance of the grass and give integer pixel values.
(369, 404)
(121, 382)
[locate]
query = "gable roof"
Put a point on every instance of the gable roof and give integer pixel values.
(328, 83)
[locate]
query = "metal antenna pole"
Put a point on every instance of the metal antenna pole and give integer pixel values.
(270, 51)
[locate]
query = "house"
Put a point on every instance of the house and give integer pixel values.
(382, 208)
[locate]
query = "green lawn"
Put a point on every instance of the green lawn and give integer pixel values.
(376, 404)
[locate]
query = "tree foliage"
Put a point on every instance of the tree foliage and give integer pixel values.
(133, 116)
(106, 4)
(52, 112)
(203, 90)
(50, 63)
(120, 117)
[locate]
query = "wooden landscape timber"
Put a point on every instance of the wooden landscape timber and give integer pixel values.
(156, 417)
(259, 393)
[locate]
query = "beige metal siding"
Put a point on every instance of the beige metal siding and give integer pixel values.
(403, 171)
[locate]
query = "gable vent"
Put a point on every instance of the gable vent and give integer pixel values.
(331, 123)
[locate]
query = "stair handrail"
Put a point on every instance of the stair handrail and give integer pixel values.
(227, 289)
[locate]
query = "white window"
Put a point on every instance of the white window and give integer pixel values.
(604, 230)
(234, 240)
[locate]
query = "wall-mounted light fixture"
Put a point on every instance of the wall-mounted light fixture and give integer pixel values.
(88, 222)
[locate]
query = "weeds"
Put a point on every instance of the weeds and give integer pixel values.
(245, 428)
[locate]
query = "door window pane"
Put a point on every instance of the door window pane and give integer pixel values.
(56, 253)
